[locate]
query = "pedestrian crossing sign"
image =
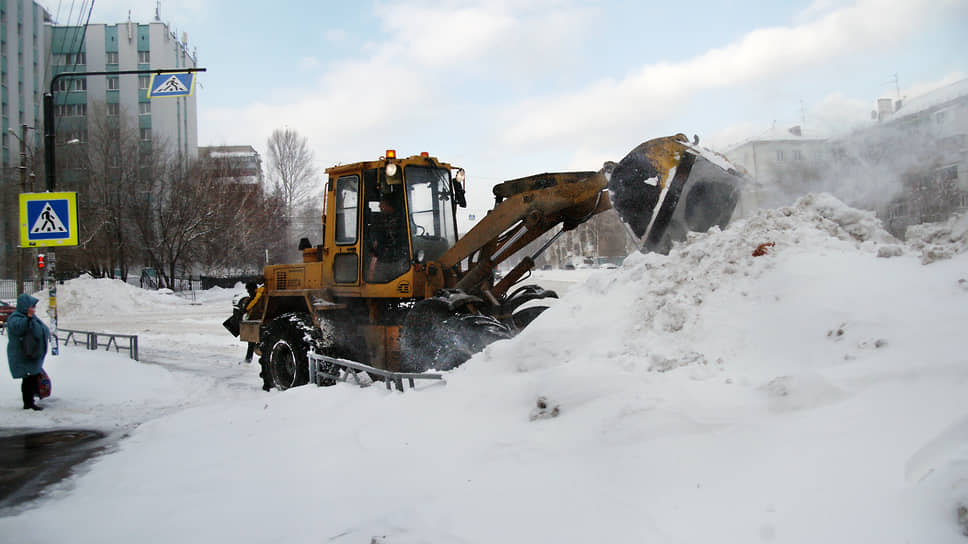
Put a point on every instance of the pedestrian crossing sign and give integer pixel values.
(171, 84)
(48, 219)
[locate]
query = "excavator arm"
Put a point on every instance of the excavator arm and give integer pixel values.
(661, 190)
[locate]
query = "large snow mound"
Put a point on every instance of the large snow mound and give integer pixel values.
(662, 296)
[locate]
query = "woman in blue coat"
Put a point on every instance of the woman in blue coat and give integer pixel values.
(22, 323)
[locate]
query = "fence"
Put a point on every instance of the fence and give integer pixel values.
(92, 340)
(8, 289)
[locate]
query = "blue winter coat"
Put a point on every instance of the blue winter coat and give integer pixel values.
(18, 324)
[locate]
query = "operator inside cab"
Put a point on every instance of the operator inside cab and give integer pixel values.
(388, 253)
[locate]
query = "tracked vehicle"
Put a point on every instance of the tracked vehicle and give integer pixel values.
(433, 301)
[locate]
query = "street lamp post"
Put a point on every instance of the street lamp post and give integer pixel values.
(23, 189)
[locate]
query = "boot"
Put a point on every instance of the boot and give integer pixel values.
(28, 387)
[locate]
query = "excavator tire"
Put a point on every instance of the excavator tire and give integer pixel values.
(284, 350)
(435, 337)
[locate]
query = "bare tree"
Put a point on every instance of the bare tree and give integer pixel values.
(291, 166)
(250, 222)
(178, 212)
(104, 171)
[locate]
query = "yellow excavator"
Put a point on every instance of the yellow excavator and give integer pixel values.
(392, 290)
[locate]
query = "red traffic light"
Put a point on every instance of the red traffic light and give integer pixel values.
(40, 261)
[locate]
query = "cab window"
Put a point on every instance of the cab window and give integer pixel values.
(347, 202)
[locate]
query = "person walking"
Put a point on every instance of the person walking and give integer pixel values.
(27, 347)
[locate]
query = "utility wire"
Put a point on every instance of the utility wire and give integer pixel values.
(76, 47)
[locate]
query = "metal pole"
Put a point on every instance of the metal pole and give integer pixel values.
(52, 300)
(23, 189)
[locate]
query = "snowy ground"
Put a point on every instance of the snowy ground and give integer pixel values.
(814, 394)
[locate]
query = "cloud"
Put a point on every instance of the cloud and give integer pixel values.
(403, 84)
(307, 64)
(617, 106)
(445, 37)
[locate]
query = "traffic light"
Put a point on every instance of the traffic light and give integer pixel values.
(40, 261)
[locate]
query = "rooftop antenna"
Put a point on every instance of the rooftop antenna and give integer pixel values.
(897, 86)
(158, 10)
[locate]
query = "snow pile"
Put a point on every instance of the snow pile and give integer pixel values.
(937, 241)
(103, 297)
(663, 296)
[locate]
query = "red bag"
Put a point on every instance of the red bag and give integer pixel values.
(43, 384)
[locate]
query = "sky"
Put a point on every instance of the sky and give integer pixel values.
(509, 88)
(812, 394)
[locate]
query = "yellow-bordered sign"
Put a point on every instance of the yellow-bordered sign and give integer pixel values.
(48, 219)
(171, 84)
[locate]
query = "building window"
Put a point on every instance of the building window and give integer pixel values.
(6, 109)
(796, 155)
(779, 155)
(70, 110)
(114, 109)
(67, 84)
(144, 108)
(146, 135)
(113, 84)
(111, 57)
(78, 58)
(143, 82)
(144, 57)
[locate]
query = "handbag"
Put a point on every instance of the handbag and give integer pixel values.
(44, 384)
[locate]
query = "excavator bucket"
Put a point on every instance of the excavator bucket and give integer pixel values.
(666, 187)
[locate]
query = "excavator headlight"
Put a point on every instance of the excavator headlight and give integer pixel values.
(420, 256)
(391, 169)
(460, 175)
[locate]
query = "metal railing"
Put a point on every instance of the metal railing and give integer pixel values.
(320, 365)
(93, 340)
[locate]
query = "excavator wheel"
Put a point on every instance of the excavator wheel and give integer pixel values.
(284, 350)
(433, 336)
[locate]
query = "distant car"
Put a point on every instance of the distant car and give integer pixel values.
(568, 267)
(546, 267)
(609, 266)
(5, 311)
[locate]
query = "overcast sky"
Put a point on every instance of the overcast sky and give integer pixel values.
(510, 88)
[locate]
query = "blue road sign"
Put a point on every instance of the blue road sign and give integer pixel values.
(48, 219)
(171, 84)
